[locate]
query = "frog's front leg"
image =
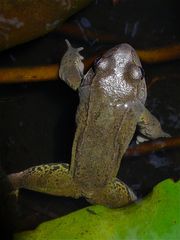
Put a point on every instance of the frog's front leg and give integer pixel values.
(52, 179)
(115, 194)
(149, 127)
(71, 66)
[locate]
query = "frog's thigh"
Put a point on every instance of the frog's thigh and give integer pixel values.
(150, 127)
(115, 194)
(52, 178)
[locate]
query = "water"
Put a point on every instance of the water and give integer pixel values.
(37, 120)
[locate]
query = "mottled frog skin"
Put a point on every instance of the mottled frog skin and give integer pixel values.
(112, 97)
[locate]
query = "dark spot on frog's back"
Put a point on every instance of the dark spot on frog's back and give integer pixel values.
(91, 211)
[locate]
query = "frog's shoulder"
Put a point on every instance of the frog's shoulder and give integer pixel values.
(88, 77)
(85, 87)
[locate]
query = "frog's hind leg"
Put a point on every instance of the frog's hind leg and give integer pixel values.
(115, 194)
(53, 179)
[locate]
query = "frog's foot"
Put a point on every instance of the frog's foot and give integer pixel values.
(72, 67)
(115, 194)
(141, 139)
(52, 179)
(149, 127)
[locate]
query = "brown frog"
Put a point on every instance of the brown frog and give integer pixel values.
(112, 97)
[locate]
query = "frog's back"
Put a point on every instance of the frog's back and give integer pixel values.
(107, 116)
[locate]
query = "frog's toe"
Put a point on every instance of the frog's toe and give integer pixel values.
(166, 135)
(159, 133)
(80, 49)
(70, 46)
(132, 195)
(68, 43)
(141, 139)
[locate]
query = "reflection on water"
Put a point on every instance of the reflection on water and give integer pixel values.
(159, 161)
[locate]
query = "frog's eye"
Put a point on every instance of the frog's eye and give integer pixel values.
(137, 72)
(96, 61)
(142, 73)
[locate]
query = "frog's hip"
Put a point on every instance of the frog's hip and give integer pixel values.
(94, 178)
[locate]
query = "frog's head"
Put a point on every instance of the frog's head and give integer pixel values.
(123, 65)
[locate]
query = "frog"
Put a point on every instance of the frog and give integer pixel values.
(112, 96)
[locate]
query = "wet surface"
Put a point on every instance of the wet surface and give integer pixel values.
(37, 120)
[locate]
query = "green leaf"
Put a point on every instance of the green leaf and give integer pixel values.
(155, 217)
